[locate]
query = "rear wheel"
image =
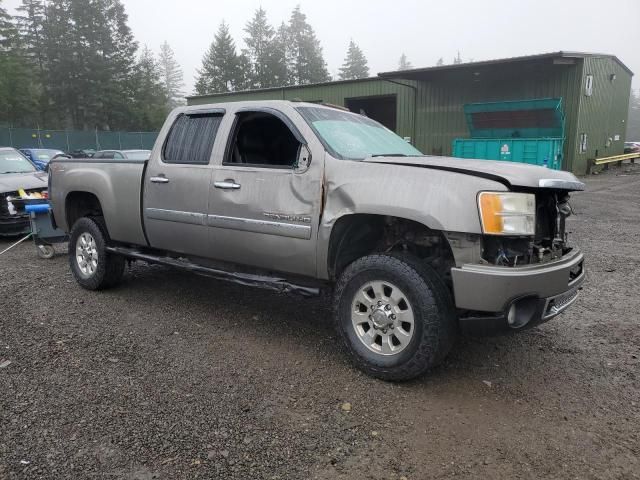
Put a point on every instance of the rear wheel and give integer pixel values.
(93, 267)
(395, 315)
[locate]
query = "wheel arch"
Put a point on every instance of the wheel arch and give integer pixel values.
(78, 204)
(355, 235)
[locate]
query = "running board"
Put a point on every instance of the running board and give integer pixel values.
(276, 284)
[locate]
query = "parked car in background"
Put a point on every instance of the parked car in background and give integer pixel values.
(41, 156)
(631, 147)
(82, 153)
(17, 172)
(122, 154)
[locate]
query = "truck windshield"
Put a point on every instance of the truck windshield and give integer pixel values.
(355, 137)
(14, 162)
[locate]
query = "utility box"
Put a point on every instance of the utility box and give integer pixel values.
(526, 131)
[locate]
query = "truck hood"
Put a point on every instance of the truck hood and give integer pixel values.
(511, 174)
(10, 182)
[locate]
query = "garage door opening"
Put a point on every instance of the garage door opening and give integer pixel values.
(381, 108)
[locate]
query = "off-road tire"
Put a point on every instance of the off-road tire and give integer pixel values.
(110, 268)
(433, 309)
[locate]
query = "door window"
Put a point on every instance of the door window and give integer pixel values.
(191, 139)
(263, 140)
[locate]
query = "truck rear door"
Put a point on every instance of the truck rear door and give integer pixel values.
(265, 198)
(176, 185)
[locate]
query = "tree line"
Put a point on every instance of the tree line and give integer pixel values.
(290, 54)
(76, 64)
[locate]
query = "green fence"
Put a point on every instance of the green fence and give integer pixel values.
(69, 140)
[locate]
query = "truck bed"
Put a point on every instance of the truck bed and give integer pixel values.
(118, 185)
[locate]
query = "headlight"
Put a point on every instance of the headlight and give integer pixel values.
(507, 213)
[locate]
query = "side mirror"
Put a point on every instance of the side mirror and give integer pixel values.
(304, 159)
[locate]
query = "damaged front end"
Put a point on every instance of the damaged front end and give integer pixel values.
(550, 241)
(14, 220)
(522, 280)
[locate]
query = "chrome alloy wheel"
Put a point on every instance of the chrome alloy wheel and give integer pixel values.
(86, 254)
(382, 318)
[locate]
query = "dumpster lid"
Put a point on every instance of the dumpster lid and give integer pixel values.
(534, 118)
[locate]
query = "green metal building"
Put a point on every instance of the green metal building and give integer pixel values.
(425, 105)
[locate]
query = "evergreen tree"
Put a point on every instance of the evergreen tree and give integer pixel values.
(278, 58)
(457, 59)
(355, 64)
(171, 75)
(440, 62)
(220, 65)
(404, 64)
(118, 55)
(259, 41)
(90, 53)
(31, 25)
(18, 93)
(244, 78)
(304, 53)
(150, 105)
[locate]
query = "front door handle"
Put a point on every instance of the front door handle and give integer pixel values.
(227, 185)
(159, 180)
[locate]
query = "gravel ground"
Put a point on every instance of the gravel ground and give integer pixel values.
(174, 376)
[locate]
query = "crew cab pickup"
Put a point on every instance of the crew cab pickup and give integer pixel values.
(306, 198)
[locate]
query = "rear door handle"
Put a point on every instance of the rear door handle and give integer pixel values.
(159, 180)
(227, 185)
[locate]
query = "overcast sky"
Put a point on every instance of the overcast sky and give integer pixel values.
(384, 29)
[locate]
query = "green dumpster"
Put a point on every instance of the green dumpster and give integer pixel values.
(526, 131)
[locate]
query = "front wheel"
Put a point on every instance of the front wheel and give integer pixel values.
(395, 316)
(93, 267)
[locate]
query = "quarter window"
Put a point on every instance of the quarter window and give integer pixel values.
(191, 139)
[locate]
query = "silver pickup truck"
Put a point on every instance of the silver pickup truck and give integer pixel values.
(306, 198)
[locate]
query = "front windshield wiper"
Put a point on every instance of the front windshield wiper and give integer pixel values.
(23, 171)
(389, 155)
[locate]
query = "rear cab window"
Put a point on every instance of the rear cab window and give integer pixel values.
(191, 138)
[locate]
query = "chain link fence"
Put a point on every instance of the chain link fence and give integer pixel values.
(69, 140)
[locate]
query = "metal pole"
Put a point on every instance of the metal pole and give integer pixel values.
(17, 243)
(66, 134)
(119, 141)
(10, 138)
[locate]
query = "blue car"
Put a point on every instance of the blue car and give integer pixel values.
(41, 156)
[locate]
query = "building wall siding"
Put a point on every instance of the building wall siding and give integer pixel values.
(334, 93)
(437, 105)
(440, 103)
(603, 114)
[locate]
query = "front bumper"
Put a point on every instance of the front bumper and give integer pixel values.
(14, 225)
(533, 293)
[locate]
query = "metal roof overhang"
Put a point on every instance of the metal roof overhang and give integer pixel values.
(557, 58)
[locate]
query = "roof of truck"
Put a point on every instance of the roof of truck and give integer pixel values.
(258, 103)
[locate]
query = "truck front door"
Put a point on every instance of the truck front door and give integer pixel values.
(176, 185)
(266, 193)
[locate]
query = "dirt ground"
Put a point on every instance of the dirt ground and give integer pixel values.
(174, 376)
